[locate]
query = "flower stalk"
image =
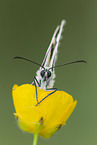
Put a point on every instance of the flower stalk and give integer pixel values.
(35, 139)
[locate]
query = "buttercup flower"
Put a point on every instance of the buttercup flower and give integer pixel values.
(45, 118)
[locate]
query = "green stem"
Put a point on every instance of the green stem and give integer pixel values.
(35, 139)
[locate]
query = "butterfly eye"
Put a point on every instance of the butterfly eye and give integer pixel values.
(48, 74)
(42, 73)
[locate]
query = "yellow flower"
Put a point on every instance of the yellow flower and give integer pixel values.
(45, 118)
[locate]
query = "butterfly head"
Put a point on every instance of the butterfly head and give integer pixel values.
(46, 77)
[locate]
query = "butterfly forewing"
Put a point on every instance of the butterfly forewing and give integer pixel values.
(45, 75)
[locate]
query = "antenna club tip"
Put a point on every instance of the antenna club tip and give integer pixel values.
(84, 61)
(13, 57)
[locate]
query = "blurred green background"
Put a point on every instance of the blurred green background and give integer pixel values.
(26, 28)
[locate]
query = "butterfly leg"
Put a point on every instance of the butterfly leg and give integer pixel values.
(47, 96)
(35, 80)
(51, 89)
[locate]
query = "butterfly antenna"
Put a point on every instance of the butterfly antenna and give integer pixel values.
(78, 61)
(19, 57)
